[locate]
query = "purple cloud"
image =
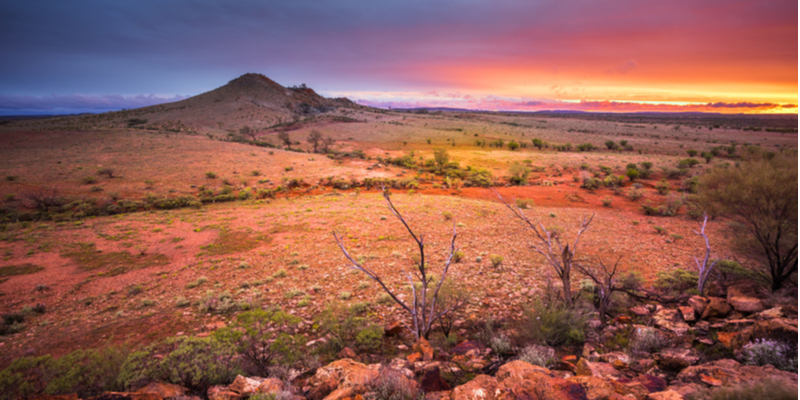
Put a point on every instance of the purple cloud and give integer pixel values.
(77, 103)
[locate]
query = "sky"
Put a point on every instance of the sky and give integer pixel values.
(523, 55)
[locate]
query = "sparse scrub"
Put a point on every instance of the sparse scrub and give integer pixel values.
(551, 322)
(534, 354)
(770, 352)
(496, 260)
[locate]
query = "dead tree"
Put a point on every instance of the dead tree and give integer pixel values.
(326, 144)
(423, 310)
(248, 131)
(314, 138)
(548, 243)
(284, 137)
(605, 284)
(704, 268)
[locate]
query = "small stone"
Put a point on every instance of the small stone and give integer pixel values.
(747, 305)
(688, 313)
(717, 307)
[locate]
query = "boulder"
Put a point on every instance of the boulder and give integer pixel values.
(747, 305)
(775, 312)
(438, 395)
(540, 386)
(726, 372)
(650, 382)
(782, 329)
(688, 313)
(599, 389)
(245, 386)
(743, 289)
(522, 370)
(665, 395)
(165, 390)
(676, 359)
(698, 303)
(348, 353)
(341, 394)
(321, 389)
(640, 311)
(481, 388)
(346, 373)
(596, 369)
(393, 329)
(466, 346)
(672, 320)
(432, 382)
(424, 347)
(72, 396)
(717, 307)
(270, 385)
(220, 392)
(126, 396)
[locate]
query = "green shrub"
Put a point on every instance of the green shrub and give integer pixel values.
(199, 281)
(264, 338)
(524, 203)
(607, 201)
(88, 180)
(648, 340)
(192, 362)
(25, 377)
(281, 273)
(676, 281)
(662, 187)
(500, 344)
(87, 372)
(211, 175)
(370, 338)
(458, 256)
(496, 260)
(552, 323)
(635, 194)
(340, 326)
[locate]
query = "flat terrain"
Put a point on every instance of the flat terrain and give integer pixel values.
(144, 275)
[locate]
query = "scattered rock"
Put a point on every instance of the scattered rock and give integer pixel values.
(782, 329)
(651, 382)
(270, 385)
(245, 386)
(747, 305)
(481, 388)
(424, 347)
(640, 311)
(219, 392)
(688, 313)
(596, 369)
(346, 373)
(432, 382)
(165, 390)
(726, 373)
(675, 359)
(595, 388)
(717, 307)
(698, 303)
(348, 353)
(393, 329)
(775, 312)
(671, 320)
(665, 395)
(743, 289)
(466, 346)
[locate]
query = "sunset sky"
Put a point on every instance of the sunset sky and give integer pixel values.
(614, 55)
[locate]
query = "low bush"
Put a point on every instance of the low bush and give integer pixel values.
(770, 352)
(648, 340)
(496, 260)
(393, 385)
(552, 323)
(676, 281)
(607, 201)
(542, 356)
(193, 362)
(370, 338)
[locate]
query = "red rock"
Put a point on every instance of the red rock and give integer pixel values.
(596, 369)
(671, 320)
(624, 319)
(596, 388)
(569, 358)
(341, 394)
(688, 313)
(698, 303)
(270, 385)
(438, 395)
(424, 347)
(466, 346)
(717, 307)
(245, 386)
(709, 380)
(779, 328)
(725, 338)
(433, 382)
(747, 305)
(322, 390)
(481, 388)
(222, 393)
(414, 357)
(73, 396)
(393, 329)
(742, 289)
(651, 382)
(666, 395)
(346, 373)
(127, 396)
(165, 390)
(348, 353)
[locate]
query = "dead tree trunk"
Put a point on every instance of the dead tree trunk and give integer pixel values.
(548, 244)
(423, 311)
(704, 268)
